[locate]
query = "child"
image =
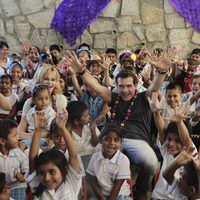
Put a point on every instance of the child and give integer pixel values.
(188, 184)
(170, 142)
(6, 90)
(4, 192)
(41, 102)
(109, 167)
(63, 85)
(184, 79)
(84, 132)
(13, 162)
(52, 176)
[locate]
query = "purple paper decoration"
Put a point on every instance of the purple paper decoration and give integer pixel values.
(190, 10)
(72, 17)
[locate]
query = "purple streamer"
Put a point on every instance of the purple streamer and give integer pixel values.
(72, 17)
(190, 10)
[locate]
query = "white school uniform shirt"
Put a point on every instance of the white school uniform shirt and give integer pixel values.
(13, 98)
(15, 161)
(83, 144)
(106, 171)
(68, 190)
(49, 113)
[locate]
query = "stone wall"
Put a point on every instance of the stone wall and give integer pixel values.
(124, 24)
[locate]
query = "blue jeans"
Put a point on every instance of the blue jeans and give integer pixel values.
(144, 158)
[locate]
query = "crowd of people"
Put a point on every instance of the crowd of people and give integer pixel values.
(76, 125)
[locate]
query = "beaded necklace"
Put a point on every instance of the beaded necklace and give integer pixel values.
(128, 111)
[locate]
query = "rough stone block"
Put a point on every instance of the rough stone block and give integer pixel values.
(112, 9)
(30, 6)
(86, 37)
(168, 8)
(127, 39)
(151, 14)
(42, 19)
(174, 21)
(10, 26)
(155, 32)
(100, 26)
(22, 30)
(2, 29)
(195, 38)
(124, 24)
(103, 41)
(10, 8)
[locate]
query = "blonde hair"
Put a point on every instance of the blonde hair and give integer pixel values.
(44, 70)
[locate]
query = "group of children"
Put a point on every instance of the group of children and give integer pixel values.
(63, 128)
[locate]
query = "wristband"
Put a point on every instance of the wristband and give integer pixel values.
(160, 72)
(83, 72)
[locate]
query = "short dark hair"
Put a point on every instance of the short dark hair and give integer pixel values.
(172, 85)
(53, 128)
(39, 88)
(195, 51)
(56, 157)
(5, 127)
(7, 76)
(2, 181)
(84, 44)
(108, 128)
(172, 128)
(75, 110)
(111, 50)
(3, 44)
(125, 74)
(191, 176)
(192, 62)
(56, 47)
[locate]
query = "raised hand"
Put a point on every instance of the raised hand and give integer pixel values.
(106, 63)
(47, 51)
(26, 46)
(61, 119)
(72, 60)
(154, 103)
(164, 60)
(39, 119)
(92, 126)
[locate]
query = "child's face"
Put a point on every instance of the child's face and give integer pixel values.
(16, 73)
(173, 143)
(173, 97)
(50, 176)
(110, 144)
(191, 70)
(56, 53)
(58, 140)
(183, 186)
(4, 53)
(62, 84)
(5, 85)
(196, 84)
(112, 57)
(50, 80)
(95, 69)
(196, 57)
(85, 118)
(5, 194)
(12, 140)
(42, 100)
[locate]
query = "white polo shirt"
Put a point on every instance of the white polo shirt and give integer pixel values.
(68, 190)
(106, 171)
(15, 161)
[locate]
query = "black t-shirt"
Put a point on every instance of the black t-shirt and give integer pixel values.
(138, 126)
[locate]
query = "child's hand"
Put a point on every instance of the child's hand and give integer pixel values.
(185, 156)
(154, 103)
(39, 119)
(61, 119)
(47, 51)
(196, 162)
(101, 118)
(92, 126)
(26, 46)
(106, 63)
(185, 65)
(20, 177)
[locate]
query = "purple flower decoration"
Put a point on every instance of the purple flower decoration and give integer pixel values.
(72, 17)
(190, 10)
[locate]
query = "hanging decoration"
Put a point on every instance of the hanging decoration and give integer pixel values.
(190, 10)
(72, 17)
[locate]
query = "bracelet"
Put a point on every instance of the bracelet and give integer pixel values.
(160, 72)
(83, 72)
